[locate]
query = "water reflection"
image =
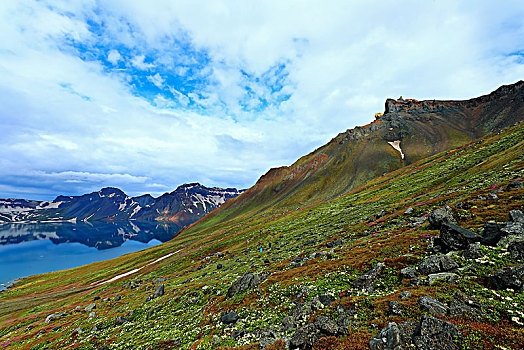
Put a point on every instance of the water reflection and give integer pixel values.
(100, 235)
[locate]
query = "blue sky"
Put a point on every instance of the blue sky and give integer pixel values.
(147, 95)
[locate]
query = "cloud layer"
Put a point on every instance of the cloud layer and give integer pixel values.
(148, 95)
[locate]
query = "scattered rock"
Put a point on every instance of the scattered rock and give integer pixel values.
(247, 281)
(491, 233)
(304, 337)
(492, 196)
(326, 325)
(326, 300)
(159, 291)
(434, 333)
(408, 211)
(408, 272)
(53, 317)
(512, 228)
(514, 185)
(516, 216)
(461, 303)
(516, 249)
(428, 333)
(366, 280)
(437, 263)
(395, 308)
(159, 280)
(432, 305)
(219, 266)
(405, 294)
(102, 347)
(90, 307)
(105, 300)
(333, 244)
(229, 317)
(96, 298)
(266, 337)
(441, 216)
(472, 251)
(509, 277)
(455, 237)
(92, 315)
(120, 320)
(118, 297)
(448, 277)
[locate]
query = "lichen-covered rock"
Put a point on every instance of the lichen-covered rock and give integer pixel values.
(461, 304)
(229, 317)
(437, 263)
(509, 277)
(516, 216)
(447, 277)
(472, 251)
(516, 249)
(409, 272)
(326, 325)
(432, 305)
(456, 238)
(247, 281)
(304, 337)
(395, 308)
(159, 291)
(366, 280)
(388, 338)
(441, 216)
(434, 333)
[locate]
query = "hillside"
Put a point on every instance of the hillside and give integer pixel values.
(377, 267)
(405, 133)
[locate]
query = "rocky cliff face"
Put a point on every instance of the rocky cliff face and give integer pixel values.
(407, 131)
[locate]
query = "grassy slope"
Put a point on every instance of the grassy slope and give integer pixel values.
(191, 308)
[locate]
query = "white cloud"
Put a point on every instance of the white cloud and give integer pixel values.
(157, 80)
(114, 57)
(138, 62)
(342, 59)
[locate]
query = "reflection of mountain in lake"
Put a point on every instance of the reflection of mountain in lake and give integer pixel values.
(101, 235)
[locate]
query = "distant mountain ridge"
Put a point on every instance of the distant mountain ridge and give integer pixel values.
(185, 205)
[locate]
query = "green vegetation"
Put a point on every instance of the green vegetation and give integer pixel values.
(268, 241)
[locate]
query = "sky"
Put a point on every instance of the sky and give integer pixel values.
(148, 95)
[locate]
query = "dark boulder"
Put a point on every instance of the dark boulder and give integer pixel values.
(516, 249)
(472, 251)
(514, 185)
(408, 272)
(434, 333)
(455, 237)
(159, 291)
(247, 281)
(512, 228)
(333, 244)
(395, 308)
(304, 337)
(326, 325)
(509, 277)
(405, 294)
(120, 320)
(437, 263)
(441, 216)
(491, 233)
(366, 280)
(229, 317)
(461, 304)
(432, 305)
(389, 338)
(326, 300)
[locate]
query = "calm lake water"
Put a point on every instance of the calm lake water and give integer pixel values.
(29, 249)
